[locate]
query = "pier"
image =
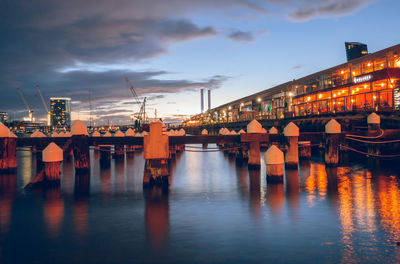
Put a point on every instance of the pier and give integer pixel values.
(160, 146)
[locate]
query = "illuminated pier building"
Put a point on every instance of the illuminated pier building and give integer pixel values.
(60, 111)
(366, 84)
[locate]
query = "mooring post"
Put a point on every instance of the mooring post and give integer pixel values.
(37, 149)
(156, 154)
(374, 127)
(130, 133)
(182, 133)
(273, 131)
(291, 133)
(119, 149)
(12, 152)
(274, 160)
(80, 144)
(254, 132)
(204, 132)
(374, 123)
(332, 138)
(4, 138)
(52, 157)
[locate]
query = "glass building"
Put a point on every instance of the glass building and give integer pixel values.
(366, 84)
(355, 50)
(3, 117)
(60, 111)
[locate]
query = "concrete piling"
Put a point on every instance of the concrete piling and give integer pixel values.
(274, 160)
(291, 133)
(204, 132)
(332, 138)
(374, 122)
(52, 157)
(4, 138)
(156, 154)
(12, 152)
(80, 144)
(119, 150)
(130, 148)
(374, 127)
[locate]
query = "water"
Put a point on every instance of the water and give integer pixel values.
(215, 211)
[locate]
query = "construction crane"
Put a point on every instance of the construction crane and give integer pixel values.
(141, 116)
(30, 112)
(44, 104)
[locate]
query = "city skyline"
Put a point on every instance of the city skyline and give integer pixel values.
(170, 51)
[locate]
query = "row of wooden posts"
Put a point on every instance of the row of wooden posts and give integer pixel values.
(158, 150)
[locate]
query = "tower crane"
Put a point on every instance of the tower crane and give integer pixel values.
(141, 116)
(44, 104)
(30, 112)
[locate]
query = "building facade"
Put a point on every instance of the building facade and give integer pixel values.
(3, 117)
(60, 111)
(369, 83)
(355, 50)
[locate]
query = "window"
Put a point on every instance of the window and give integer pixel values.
(379, 85)
(379, 64)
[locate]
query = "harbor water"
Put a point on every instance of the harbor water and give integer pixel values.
(214, 211)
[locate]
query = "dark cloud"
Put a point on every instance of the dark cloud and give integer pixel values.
(70, 47)
(326, 8)
(297, 67)
(242, 36)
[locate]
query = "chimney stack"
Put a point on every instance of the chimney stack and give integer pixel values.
(202, 99)
(209, 99)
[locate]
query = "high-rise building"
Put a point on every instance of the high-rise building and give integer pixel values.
(3, 117)
(355, 50)
(60, 111)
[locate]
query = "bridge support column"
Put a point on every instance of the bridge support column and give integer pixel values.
(291, 133)
(156, 154)
(374, 127)
(80, 145)
(274, 160)
(204, 132)
(4, 153)
(332, 142)
(253, 136)
(52, 157)
(12, 152)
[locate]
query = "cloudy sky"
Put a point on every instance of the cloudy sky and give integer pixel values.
(170, 48)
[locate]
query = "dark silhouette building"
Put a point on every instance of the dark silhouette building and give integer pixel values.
(355, 50)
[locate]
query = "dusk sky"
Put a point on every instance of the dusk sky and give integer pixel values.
(169, 49)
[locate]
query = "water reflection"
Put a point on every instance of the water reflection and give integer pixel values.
(53, 210)
(81, 203)
(8, 184)
(255, 193)
(157, 215)
(293, 189)
(275, 197)
(353, 208)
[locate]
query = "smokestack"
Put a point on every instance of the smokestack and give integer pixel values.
(202, 99)
(209, 99)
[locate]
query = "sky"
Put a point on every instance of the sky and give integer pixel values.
(171, 49)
